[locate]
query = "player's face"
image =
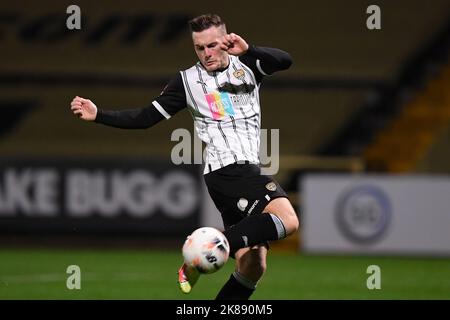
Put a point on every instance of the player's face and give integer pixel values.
(207, 47)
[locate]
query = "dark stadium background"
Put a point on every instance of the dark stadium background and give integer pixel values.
(356, 102)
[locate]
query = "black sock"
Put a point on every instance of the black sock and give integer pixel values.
(254, 230)
(234, 290)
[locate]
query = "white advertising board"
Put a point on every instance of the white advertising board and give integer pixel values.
(375, 214)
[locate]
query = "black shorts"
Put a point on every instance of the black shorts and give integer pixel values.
(239, 190)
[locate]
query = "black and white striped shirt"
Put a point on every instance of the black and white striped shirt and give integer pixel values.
(224, 104)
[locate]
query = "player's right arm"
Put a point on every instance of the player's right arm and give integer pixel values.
(84, 108)
(168, 103)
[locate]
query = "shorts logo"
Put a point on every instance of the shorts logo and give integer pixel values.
(271, 186)
(242, 204)
(253, 206)
(239, 74)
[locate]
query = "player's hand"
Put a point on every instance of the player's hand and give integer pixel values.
(233, 44)
(83, 108)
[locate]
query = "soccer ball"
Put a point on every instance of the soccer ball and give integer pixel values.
(206, 249)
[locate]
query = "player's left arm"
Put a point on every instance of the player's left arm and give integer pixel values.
(262, 60)
(267, 60)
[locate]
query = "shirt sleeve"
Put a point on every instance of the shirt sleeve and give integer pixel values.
(171, 100)
(264, 61)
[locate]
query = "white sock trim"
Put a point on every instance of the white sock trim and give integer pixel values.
(244, 281)
(281, 230)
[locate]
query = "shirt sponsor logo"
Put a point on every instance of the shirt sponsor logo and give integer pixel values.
(222, 104)
(219, 104)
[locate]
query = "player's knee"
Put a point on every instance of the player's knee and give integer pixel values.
(291, 223)
(283, 209)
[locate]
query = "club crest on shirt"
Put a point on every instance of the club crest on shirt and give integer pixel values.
(239, 74)
(271, 186)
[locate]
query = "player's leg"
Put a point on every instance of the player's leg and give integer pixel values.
(251, 262)
(277, 220)
(282, 208)
(187, 278)
(250, 267)
(267, 216)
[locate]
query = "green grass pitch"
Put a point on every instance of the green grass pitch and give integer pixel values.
(150, 274)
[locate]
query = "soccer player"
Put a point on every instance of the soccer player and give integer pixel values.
(221, 91)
